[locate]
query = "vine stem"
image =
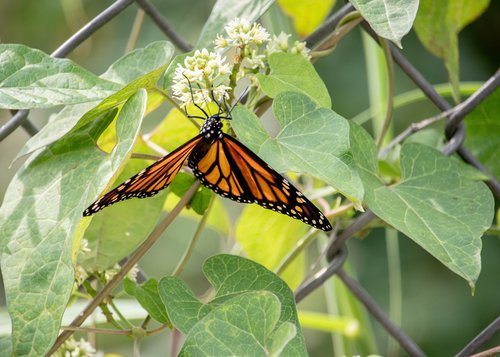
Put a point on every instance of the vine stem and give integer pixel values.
(134, 258)
(190, 248)
(102, 331)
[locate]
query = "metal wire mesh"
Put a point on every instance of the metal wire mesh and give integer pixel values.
(336, 254)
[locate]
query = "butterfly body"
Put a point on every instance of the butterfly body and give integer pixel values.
(225, 166)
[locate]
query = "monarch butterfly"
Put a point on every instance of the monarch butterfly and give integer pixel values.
(225, 166)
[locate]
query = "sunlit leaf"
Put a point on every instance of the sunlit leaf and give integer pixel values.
(40, 215)
(306, 14)
(267, 237)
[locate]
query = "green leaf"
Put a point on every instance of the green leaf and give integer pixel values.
(147, 295)
(181, 184)
(6, 345)
(437, 26)
(438, 203)
(483, 128)
(282, 232)
(148, 68)
(139, 62)
(312, 140)
(30, 79)
(183, 307)
(390, 19)
(291, 72)
(40, 215)
(247, 325)
(226, 10)
(231, 276)
(200, 201)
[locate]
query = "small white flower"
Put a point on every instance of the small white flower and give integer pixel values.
(132, 274)
(241, 33)
(278, 43)
(111, 272)
(220, 41)
(255, 60)
(80, 275)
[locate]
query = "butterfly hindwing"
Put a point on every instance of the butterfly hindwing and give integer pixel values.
(149, 181)
(232, 170)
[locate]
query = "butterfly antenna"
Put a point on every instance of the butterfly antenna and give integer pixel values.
(219, 106)
(239, 100)
(192, 99)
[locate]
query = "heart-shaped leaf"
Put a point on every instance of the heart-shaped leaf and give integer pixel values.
(246, 325)
(439, 202)
(232, 277)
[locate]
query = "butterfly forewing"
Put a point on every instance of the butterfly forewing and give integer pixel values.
(149, 181)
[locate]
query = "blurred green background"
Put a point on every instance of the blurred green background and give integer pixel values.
(439, 312)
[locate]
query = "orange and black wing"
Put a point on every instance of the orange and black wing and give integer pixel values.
(149, 181)
(233, 171)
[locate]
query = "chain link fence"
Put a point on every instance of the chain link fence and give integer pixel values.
(337, 252)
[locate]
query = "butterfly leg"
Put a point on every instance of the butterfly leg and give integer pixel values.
(192, 99)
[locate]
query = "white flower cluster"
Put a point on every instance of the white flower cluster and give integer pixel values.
(198, 76)
(73, 348)
(202, 78)
(248, 38)
(242, 33)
